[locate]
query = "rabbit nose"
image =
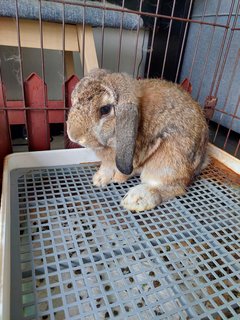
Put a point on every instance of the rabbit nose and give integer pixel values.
(82, 141)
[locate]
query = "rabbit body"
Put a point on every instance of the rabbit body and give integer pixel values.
(154, 128)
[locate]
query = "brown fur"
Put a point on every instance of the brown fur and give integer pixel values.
(171, 142)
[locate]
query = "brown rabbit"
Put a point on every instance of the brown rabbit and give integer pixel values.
(148, 127)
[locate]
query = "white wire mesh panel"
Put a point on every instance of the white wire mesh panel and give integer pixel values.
(76, 254)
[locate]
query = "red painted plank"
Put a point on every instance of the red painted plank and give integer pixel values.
(37, 120)
(69, 86)
(56, 116)
(186, 85)
(5, 139)
(17, 116)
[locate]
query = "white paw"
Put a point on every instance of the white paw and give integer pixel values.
(103, 177)
(142, 197)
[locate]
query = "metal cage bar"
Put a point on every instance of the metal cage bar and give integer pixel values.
(17, 111)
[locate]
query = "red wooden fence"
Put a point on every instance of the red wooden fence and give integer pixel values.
(36, 113)
(5, 139)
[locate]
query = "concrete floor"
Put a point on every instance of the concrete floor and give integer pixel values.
(20, 144)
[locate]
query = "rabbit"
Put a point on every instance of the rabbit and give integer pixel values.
(150, 127)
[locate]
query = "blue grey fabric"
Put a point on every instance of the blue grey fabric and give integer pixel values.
(208, 41)
(52, 11)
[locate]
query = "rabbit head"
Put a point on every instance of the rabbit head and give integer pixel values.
(105, 113)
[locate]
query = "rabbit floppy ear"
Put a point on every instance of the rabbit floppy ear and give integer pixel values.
(126, 134)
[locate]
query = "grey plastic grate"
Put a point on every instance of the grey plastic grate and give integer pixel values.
(77, 255)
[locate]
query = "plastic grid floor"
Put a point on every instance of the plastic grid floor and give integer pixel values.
(79, 255)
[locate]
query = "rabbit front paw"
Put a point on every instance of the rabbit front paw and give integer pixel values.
(142, 197)
(120, 177)
(103, 176)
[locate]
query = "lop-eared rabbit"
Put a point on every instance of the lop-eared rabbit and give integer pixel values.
(149, 127)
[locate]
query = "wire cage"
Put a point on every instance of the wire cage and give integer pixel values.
(192, 40)
(75, 253)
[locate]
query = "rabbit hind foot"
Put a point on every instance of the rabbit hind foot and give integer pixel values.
(145, 197)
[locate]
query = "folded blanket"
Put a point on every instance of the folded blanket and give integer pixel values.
(53, 11)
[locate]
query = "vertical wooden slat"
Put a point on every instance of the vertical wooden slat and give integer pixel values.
(38, 126)
(90, 56)
(69, 86)
(5, 139)
(69, 63)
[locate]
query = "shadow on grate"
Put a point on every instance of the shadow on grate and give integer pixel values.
(76, 254)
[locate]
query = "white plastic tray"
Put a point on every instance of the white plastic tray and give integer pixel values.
(162, 233)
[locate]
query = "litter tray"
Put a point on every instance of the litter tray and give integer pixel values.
(69, 251)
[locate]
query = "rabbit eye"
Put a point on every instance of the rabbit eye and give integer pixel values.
(104, 110)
